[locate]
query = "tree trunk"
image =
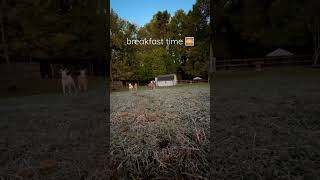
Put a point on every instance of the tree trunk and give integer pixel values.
(30, 58)
(317, 48)
(212, 64)
(315, 58)
(3, 40)
(52, 71)
(110, 70)
(99, 7)
(315, 29)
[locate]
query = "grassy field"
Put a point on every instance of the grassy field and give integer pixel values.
(162, 133)
(266, 125)
(50, 136)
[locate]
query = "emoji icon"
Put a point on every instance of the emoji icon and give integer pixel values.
(189, 41)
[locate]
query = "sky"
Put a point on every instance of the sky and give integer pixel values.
(140, 12)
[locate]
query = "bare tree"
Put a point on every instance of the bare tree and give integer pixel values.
(315, 30)
(312, 17)
(212, 63)
(3, 39)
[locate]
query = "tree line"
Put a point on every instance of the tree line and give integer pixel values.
(241, 28)
(250, 28)
(144, 62)
(51, 29)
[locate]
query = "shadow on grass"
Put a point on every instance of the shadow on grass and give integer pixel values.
(43, 86)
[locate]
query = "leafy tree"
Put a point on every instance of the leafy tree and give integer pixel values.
(253, 28)
(4, 43)
(123, 56)
(144, 62)
(311, 11)
(158, 27)
(46, 29)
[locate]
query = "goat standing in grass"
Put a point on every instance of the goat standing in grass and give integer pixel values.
(135, 86)
(130, 87)
(82, 81)
(67, 82)
(152, 85)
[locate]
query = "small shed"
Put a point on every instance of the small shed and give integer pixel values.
(166, 80)
(116, 85)
(279, 53)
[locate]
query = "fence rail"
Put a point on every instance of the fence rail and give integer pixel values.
(19, 71)
(192, 81)
(228, 64)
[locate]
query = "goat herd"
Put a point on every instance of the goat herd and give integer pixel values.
(69, 85)
(151, 85)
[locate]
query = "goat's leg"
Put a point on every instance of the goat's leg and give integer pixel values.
(75, 89)
(85, 87)
(63, 89)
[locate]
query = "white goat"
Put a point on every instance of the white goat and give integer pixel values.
(67, 82)
(135, 86)
(130, 87)
(83, 81)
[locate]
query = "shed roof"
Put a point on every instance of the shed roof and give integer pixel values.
(167, 77)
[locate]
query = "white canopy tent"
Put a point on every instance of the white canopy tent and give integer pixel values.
(197, 78)
(279, 52)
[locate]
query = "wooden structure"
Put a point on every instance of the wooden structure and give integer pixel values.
(52, 66)
(20, 71)
(259, 63)
(36, 68)
(115, 85)
(192, 81)
(166, 80)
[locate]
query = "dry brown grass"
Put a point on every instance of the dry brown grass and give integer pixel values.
(266, 125)
(160, 133)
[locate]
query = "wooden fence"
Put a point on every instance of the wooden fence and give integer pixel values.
(192, 81)
(256, 63)
(19, 71)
